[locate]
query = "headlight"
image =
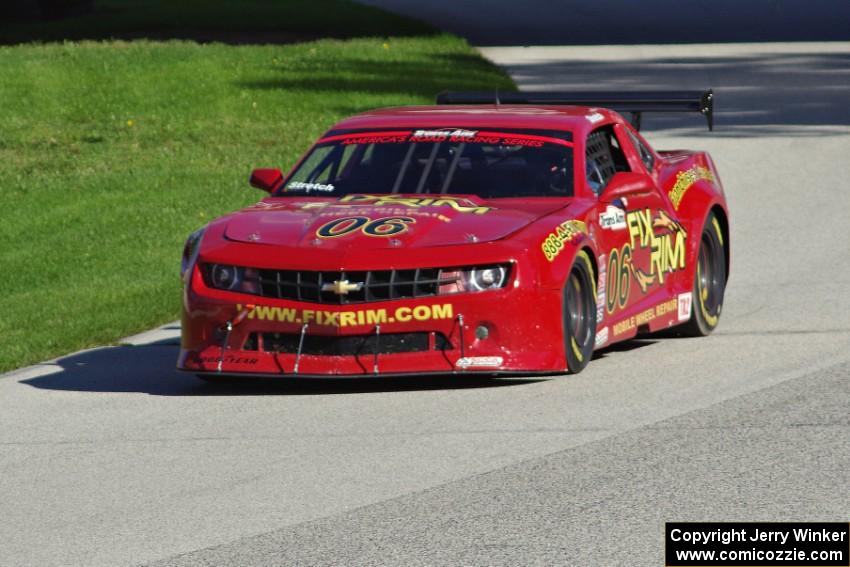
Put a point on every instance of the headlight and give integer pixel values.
(233, 278)
(480, 278)
(225, 277)
(190, 252)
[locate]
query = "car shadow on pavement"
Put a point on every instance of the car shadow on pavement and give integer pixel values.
(150, 369)
(624, 346)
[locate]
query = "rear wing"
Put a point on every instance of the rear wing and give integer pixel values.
(635, 102)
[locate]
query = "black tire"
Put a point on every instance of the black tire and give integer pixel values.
(709, 281)
(579, 313)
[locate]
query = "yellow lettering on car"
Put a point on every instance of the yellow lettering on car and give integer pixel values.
(460, 208)
(665, 239)
(351, 318)
(422, 313)
(647, 316)
(667, 307)
(624, 325)
(684, 181)
(460, 204)
(376, 317)
(443, 311)
(268, 313)
(633, 221)
(331, 318)
(565, 232)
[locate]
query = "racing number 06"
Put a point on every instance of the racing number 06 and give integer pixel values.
(387, 226)
(619, 278)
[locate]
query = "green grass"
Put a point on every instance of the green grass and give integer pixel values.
(112, 152)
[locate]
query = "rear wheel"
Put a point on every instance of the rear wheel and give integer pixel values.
(579, 313)
(709, 281)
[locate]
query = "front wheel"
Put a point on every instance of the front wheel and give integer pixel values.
(709, 281)
(579, 313)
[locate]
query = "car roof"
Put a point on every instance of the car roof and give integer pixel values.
(576, 119)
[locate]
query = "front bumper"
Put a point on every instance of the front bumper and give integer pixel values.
(271, 337)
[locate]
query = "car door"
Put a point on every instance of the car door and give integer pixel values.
(669, 251)
(636, 236)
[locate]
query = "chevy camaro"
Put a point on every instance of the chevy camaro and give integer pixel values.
(489, 233)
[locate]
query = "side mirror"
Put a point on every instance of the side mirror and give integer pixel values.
(625, 184)
(266, 178)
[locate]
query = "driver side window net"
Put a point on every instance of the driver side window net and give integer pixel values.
(603, 158)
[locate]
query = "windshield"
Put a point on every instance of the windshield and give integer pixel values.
(449, 160)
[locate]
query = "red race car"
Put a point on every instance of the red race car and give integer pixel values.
(490, 233)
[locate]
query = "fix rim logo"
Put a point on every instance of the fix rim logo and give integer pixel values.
(667, 249)
(663, 237)
(459, 204)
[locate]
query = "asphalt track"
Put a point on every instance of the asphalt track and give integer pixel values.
(110, 457)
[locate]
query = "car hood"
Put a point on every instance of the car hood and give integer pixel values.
(436, 220)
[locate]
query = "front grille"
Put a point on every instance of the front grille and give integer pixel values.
(378, 285)
(342, 287)
(355, 345)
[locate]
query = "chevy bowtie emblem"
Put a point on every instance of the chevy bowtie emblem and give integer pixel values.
(342, 287)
